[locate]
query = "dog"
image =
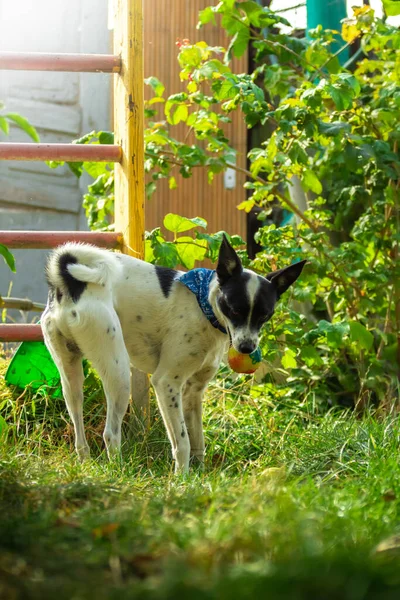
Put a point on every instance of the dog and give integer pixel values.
(119, 312)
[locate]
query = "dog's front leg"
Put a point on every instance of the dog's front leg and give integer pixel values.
(168, 390)
(192, 406)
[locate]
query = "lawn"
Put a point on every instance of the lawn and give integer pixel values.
(294, 503)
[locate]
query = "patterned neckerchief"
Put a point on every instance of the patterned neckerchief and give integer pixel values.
(198, 281)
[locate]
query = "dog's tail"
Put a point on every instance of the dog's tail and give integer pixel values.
(71, 266)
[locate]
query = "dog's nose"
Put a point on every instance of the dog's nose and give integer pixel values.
(246, 347)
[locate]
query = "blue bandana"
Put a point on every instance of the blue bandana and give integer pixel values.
(198, 281)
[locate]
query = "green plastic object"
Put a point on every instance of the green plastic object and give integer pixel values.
(32, 366)
(329, 15)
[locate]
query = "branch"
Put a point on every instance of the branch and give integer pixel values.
(21, 304)
(328, 60)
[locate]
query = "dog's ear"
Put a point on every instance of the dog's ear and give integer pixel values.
(283, 278)
(229, 264)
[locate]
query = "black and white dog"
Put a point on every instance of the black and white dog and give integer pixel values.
(119, 311)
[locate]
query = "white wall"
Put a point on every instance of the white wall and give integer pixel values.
(62, 106)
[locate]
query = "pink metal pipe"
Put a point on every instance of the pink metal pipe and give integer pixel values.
(68, 152)
(38, 61)
(21, 333)
(43, 240)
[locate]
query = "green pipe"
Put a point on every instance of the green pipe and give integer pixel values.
(329, 14)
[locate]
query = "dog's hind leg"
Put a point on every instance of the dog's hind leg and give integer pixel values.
(168, 388)
(99, 335)
(68, 358)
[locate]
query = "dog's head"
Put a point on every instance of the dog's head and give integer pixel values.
(247, 300)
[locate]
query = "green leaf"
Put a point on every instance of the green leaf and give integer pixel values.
(24, 125)
(156, 85)
(180, 114)
(334, 332)
(148, 252)
(4, 125)
(311, 182)
(342, 98)
(360, 335)
(333, 128)
(3, 426)
(166, 254)
(8, 257)
(95, 169)
(311, 357)
(392, 7)
(172, 183)
(205, 16)
(190, 57)
(191, 250)
(178, 224)
(239, 43)
(288, 359)
(106, 137)
(85, 139)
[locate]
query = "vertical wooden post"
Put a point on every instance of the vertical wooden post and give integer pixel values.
(128, 128)
(128, 125)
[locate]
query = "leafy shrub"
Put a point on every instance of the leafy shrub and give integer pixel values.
(334, 128)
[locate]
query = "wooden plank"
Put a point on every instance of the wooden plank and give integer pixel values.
(128, 128)
(37, 190)
(45, 61)
(51, 239)
(47, 116)
(68, 152)
(21, 332)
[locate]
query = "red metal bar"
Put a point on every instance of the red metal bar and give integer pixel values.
(41, 61)
(21, 332)
(68, 152)
(43, 240)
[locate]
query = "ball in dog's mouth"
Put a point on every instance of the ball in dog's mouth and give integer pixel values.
(244, 363)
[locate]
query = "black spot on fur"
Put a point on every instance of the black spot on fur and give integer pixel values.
(176, 377)
(103, 284)
(189, 339)
(165, 279)
(75, 288)
(183, 433)
(193, 354)
(73, 348)
(113, 328)
(58, 295)
(108, 330)
(181, 316)
(116, 361)
(139, 318)
(73, 313)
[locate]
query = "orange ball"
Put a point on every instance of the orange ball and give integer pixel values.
(244, 363)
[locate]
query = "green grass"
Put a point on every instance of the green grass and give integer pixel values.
(292, 504)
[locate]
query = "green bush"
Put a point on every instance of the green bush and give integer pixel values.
(334, 128)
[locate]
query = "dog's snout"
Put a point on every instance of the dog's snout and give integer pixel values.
(246, 347)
